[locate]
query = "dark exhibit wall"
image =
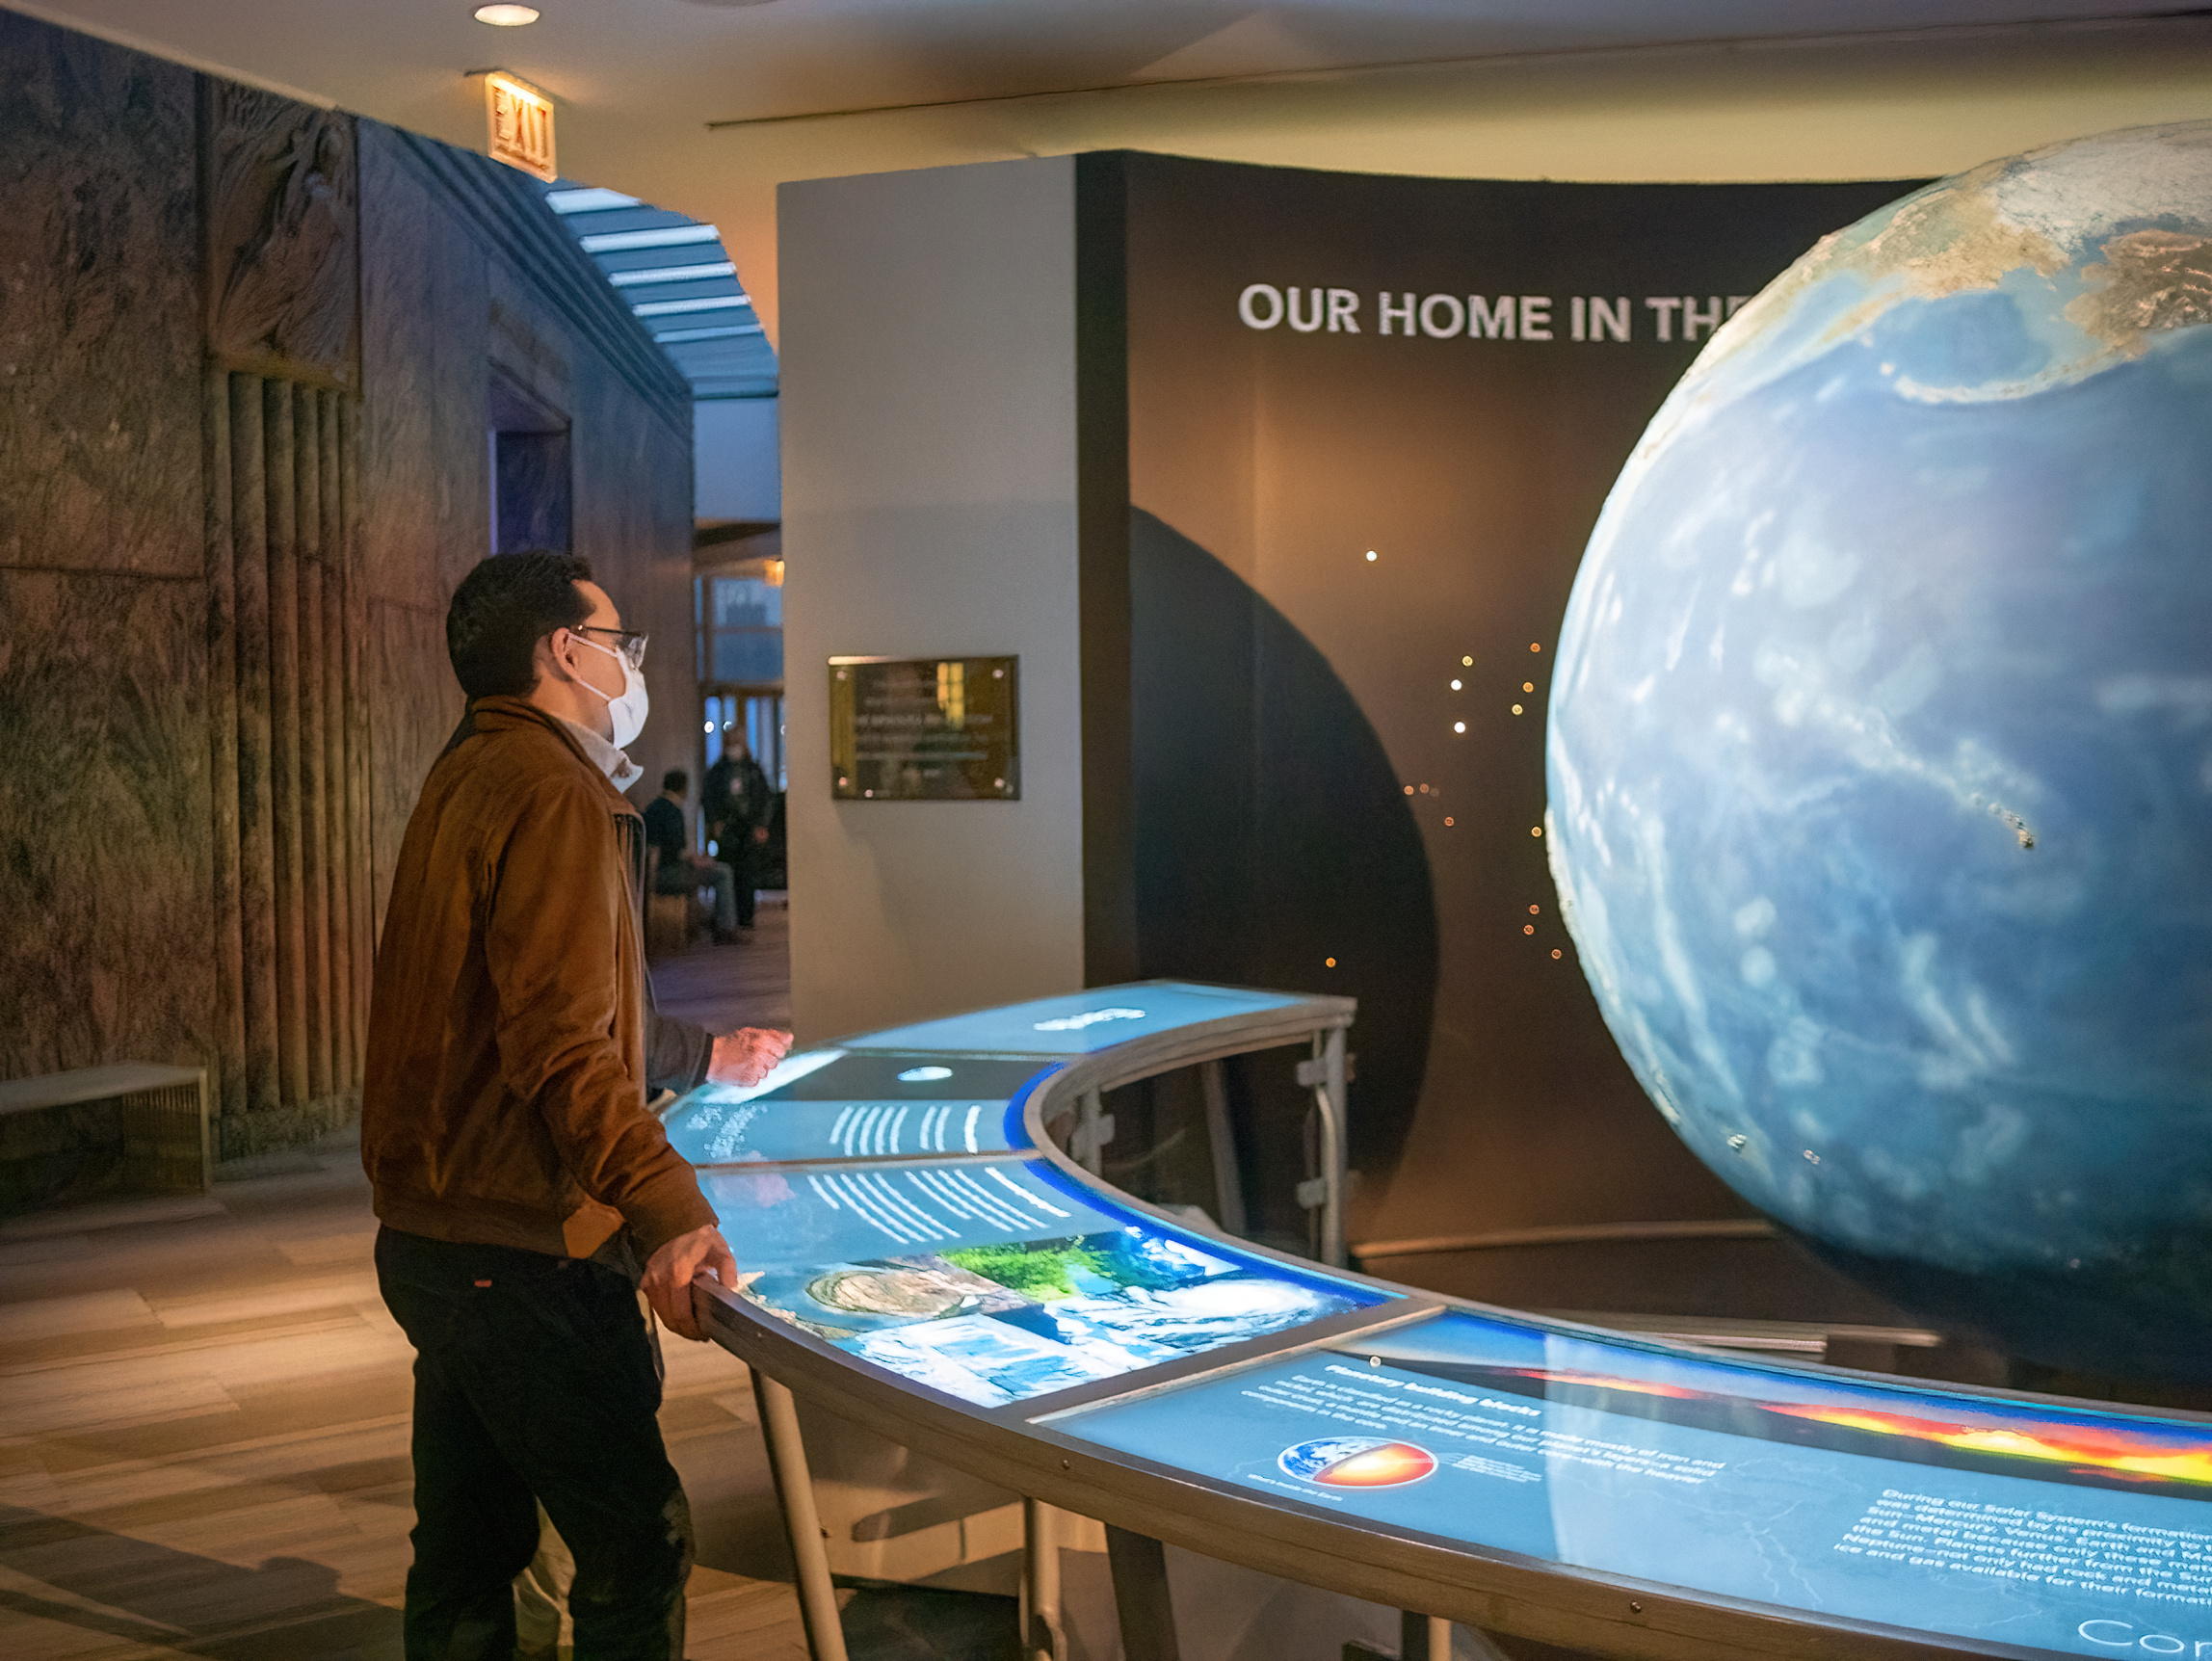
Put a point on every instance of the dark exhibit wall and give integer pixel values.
(245, 354)
(1371, 422)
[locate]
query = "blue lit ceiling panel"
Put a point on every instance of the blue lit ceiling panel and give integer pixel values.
(678, 280)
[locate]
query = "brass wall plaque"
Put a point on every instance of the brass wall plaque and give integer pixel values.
(925, 730)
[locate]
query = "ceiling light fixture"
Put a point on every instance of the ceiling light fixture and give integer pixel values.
(506, 17)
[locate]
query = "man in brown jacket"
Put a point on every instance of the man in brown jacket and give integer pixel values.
(519, 1177)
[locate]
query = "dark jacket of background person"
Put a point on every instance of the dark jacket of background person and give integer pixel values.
(505, 1098)
(736, 799)
(665, 830)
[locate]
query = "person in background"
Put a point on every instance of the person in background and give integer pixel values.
(737, 802)
(526, 1193)
(683, 869)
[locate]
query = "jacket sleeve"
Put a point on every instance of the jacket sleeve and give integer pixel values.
(551, 944)
(676, 1053)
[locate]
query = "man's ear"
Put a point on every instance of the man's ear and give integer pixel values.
(546, 661)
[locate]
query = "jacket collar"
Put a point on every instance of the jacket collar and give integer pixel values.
(503, 713)
(614, 765)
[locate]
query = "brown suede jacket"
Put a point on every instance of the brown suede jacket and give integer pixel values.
(509, 1023)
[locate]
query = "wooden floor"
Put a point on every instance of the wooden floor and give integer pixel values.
(721, 988)
(203, 1417)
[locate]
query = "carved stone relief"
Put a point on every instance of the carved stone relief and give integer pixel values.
(99, 305)
(283, 230)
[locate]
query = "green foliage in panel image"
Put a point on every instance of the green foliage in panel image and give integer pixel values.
(1038, 1269)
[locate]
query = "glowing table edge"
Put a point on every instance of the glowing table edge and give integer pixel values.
(1142, 1503)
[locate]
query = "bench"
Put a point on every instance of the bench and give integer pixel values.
(103, 1132)
(671, 920)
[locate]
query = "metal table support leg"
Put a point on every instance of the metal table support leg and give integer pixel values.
(1323, 1075)
(1332, 1151)
(1229, 1182)
(1140, 1568)
(1094, 1130)
(801, 1523)
(1423, 1637)
(1041, 1636)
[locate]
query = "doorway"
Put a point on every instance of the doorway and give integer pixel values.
(532, 480)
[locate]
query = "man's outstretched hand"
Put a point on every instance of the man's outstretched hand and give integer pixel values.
(668, 1272)
(747, 1055)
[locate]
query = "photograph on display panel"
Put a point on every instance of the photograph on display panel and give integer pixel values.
(992, 1282)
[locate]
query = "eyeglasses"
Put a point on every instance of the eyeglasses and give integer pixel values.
(630, 643)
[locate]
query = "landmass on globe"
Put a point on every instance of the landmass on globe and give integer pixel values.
(2021, 214)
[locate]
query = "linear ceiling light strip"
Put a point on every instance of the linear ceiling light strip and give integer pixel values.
(672, 274)
(667, 236)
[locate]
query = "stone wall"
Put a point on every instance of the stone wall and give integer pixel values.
(245, 351)
(105, 818)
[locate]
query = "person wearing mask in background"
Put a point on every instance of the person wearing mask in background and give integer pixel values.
(526, 1194)
(737, 802)
(682, 868)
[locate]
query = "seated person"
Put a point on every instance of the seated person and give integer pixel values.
(683, 870)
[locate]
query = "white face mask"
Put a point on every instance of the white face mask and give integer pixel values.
(628, 710)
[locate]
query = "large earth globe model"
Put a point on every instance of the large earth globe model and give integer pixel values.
(1880, 753)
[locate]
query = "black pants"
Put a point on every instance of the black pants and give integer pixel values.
(735, 848)
(743, 854)
(535, 1380)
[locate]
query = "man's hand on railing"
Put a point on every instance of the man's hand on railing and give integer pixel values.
(666, 1282)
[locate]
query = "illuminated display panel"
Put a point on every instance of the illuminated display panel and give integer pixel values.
(2041, 1529)
(979, 1270)
(1078, 1023)
(826, 1104)
(994, 1281)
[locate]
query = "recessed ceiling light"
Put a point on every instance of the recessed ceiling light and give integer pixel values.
(507, 16)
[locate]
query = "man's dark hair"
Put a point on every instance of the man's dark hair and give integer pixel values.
(503, 609)
(676, 778)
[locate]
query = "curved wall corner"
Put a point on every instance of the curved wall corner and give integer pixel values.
(1273, 847)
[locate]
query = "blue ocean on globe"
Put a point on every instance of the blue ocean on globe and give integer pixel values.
(1879, 754)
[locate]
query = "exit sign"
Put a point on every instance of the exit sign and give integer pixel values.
(522, 125)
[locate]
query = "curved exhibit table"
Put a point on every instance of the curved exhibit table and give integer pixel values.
(920, 1259)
